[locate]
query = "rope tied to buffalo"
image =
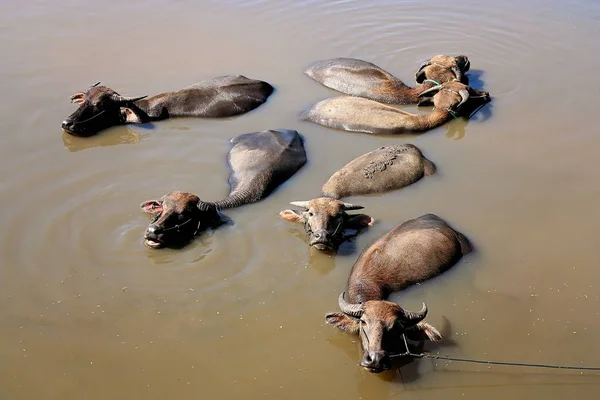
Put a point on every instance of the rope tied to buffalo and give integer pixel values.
(408, 353)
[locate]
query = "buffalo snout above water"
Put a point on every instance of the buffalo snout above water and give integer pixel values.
(178, 217)
(260, 162)
(101, 107)
(325, 219)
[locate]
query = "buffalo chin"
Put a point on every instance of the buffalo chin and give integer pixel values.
(153, 244)
(375, 370)
(323, 247)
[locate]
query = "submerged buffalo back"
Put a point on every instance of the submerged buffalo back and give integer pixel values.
(357, 78)
(261, 161)
(387, 168)
(414, 251)
(220, 97)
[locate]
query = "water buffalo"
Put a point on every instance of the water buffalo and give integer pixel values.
(412, 252)
(260, 162)
(450, 100)
(101, 107)
(325, 219)
(364, 79)
(387, 168)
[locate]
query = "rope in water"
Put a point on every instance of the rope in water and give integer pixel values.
(515, 364)
(489, 362)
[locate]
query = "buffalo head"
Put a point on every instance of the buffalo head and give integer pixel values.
(443, 68)
(380, 325)
(178, 216)
(99, 108)
(325, 219)
(457, 98)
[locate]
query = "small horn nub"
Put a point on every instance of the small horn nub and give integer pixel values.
(457, 73)
(301, 204)
(349, 207)
(354, 310)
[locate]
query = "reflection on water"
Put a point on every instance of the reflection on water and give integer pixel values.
(110, 137)
(88, 311)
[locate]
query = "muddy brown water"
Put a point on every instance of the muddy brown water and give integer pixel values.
(87, 311)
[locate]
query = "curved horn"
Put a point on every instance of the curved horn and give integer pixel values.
(434, 89)
(423, 65)
(354, 310)
(121, 99)
(348, 207)
(95, 84)
(464, 95)
(420, 74)
(301, 204)
(457, 72)
(413, 317)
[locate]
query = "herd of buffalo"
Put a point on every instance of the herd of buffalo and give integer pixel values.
(412, 252)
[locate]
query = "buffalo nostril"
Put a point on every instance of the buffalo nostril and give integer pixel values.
(66, 124)
(318, 236)
(153, 229)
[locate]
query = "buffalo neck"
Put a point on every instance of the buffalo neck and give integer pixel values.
(153, 108)
(400, 93)
(363, 290)
(236, 199)
(420, 123)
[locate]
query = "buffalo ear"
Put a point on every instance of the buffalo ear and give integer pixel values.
(423, 331)
(153, 207)
(78, 98)
(342, 321)
(358, 221)
(130, 116)
(293, 216)
(420, 76)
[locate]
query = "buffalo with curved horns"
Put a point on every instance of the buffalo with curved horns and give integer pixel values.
(364, 79)
(356, 114)
(384, 169)
(101, 107)
(260, 162)
(412, 252)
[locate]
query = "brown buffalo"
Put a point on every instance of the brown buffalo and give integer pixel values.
(101, 107)
(412, 252)
(364, 79)
(387, 168)
(260, 161)
(325, 219)
(356, 114)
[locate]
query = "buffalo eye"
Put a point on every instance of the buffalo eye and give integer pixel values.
(310, 214)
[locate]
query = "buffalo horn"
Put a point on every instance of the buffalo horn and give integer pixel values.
(349, 207)
(420, 74)
(95, 84)
(354, 310)
(434, 89)
(457, 73)
(423, 65)
(414, 317)
(464, 95)
(301, 204)
(121, 99)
